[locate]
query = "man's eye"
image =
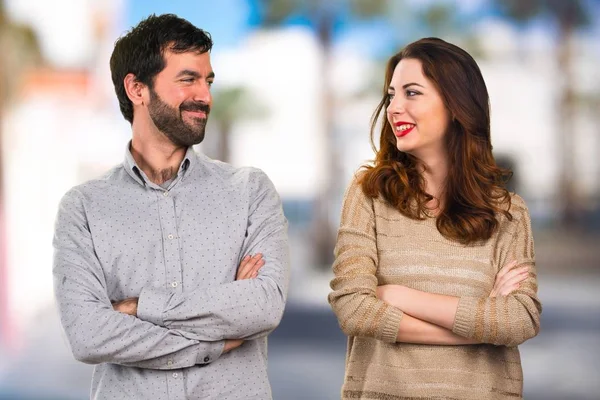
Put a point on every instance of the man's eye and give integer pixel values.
(188, 80)
(210, 83)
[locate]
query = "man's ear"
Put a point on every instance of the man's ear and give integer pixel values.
(134, 89)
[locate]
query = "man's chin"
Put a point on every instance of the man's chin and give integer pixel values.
(186, 141)
(199, 140)
(195, 140)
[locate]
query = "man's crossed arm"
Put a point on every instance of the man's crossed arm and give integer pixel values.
(248, 269)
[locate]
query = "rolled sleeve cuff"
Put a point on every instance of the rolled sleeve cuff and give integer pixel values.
(465, 314)
(151, 305)
(392, 325)
(210, 352)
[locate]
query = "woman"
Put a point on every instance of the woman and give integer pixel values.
(435, 282)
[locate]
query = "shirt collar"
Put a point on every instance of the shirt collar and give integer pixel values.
(187, 164)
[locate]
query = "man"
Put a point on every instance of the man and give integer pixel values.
(146, 259)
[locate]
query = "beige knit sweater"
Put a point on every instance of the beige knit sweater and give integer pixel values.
(377, 245)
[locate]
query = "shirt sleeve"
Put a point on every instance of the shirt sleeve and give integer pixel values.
(245, 309)
(506, 320)
(353, 299)
(96, 333)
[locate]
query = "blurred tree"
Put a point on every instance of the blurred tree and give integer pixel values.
(231, 105)
(443, 20)
(569, 16)
(20, 50)
(323, 17)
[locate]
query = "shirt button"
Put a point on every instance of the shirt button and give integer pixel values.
(175, 375)
(170, 362)
(174, 284)
(170, 236)
(165, 194)
(206, 359)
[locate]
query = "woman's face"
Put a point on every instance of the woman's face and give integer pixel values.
(416, 113)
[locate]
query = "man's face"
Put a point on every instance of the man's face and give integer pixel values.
(180, 100)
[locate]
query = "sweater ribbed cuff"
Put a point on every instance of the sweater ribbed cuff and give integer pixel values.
(465, 317)
(391, 324)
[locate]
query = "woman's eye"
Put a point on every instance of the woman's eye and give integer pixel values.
(411, 93)
(390, 96)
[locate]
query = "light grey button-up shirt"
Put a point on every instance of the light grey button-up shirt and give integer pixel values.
(178, 250)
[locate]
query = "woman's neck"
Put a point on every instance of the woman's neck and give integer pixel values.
(435, 174)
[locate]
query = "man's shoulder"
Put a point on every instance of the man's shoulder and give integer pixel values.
(98, 185)
(233, 176)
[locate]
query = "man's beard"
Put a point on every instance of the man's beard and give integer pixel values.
(170, 121)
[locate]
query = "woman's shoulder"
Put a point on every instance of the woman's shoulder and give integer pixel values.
(355, 193)
(355, 186)
(517, 208)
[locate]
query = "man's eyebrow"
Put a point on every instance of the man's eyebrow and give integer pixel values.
(188, 72)
(195, 74)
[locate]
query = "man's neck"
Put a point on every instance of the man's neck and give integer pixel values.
(156, 156)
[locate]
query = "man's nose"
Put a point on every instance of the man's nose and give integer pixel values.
(203, 94)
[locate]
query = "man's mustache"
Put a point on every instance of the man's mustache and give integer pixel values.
(195, 106)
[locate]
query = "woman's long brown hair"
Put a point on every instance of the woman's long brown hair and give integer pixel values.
(475, 186)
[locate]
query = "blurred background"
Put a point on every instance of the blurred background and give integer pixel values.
(296, 84)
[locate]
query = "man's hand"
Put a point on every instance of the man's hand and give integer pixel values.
(231, 344)
(127, 306)
(249, 267)
(508, 279)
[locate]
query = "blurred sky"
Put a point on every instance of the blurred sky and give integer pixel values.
(230, 21)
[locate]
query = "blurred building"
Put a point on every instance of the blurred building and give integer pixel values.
(62, 128)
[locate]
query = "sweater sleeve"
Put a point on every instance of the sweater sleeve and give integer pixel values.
(506, 320)
(353, 298)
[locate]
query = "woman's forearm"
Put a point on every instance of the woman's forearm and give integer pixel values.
(416, 331)
(430, 307)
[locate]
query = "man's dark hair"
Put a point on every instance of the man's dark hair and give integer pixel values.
(141, 51)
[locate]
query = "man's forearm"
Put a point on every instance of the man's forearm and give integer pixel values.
(118, 338)
(129, 307)
(237, 310)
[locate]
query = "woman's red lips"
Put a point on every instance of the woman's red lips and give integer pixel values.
(402, 128)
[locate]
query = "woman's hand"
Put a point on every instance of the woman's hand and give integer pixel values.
(249, 267)
(508, 279)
